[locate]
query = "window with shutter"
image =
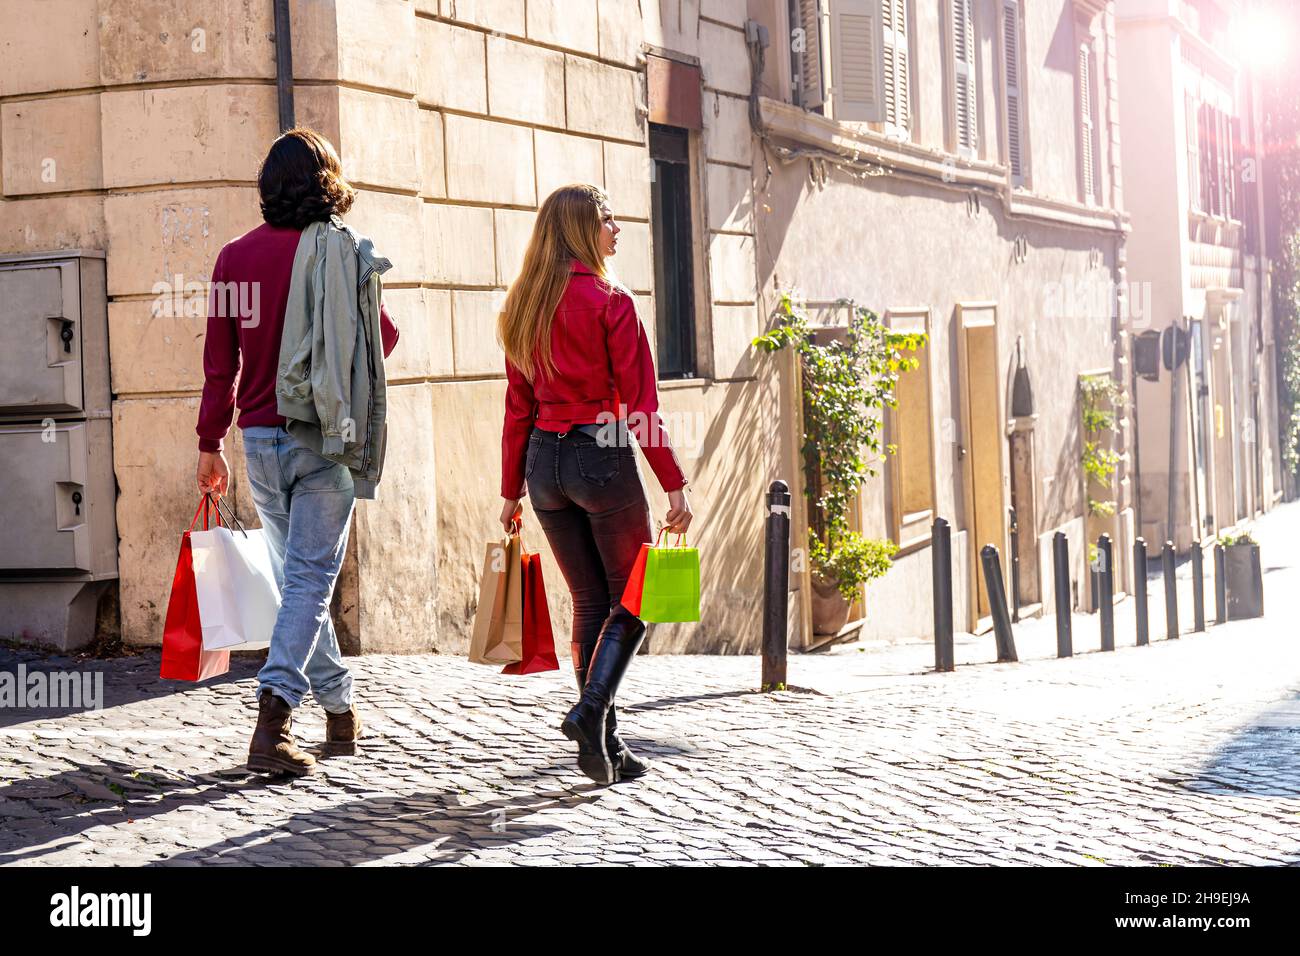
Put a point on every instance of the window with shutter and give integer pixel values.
(898, 103)
(1212, 163)
(1234, 148)
(1194, 197)
(963, 54)
(1226, 161)
(1012, 67)
(858, 65)
(806, 48)
(1216, 137)
(1087, 138)
(1247, 186)
(1204, 146)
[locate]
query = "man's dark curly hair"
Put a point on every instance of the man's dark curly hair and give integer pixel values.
(301, 180)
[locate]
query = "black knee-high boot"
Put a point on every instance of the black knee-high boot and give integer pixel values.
(586, 723)
(626, 764)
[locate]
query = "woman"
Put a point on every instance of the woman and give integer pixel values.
(578, 359)
(304, 500)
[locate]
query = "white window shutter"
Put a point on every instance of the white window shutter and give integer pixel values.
(1086, 137)
(1234, 139)
(1193, 154)
(963, 48)
(898, 103)
(859, 63)
(1014, 72)
(812, 84)
(1206, 141)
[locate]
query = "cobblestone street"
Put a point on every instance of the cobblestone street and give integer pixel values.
(1184, 752)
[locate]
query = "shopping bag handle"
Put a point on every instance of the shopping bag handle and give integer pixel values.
(203, 509)
(681, 538)
(220, 508)
(232, 519)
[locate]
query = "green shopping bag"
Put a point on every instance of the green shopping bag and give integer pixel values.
(664, 585)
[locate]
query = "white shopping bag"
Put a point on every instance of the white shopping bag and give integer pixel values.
(238, 596)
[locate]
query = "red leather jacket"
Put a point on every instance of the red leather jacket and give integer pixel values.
(603, 364)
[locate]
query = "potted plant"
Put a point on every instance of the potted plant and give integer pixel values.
(840, 573)
(1243, 576)
(1101, 401)
(847, 383)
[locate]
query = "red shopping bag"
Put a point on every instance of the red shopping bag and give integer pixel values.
(183, 656)
(539, 641)
(635, 586)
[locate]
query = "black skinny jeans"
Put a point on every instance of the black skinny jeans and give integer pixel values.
(592, 505)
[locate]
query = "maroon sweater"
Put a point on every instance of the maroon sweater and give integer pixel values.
(250, 288)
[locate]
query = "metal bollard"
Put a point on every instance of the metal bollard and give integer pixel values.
(1140, 592)
(941, 573)
(1106, 591)
(1198, 587)
(1015, 566)
(1094, 589)
(1061, 570)
(776, 585)
(1171, 590)
(998, 603)
(1220, 585)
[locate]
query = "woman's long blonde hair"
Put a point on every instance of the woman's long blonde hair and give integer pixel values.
(567, 228)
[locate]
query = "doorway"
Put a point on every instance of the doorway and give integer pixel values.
(983, 467)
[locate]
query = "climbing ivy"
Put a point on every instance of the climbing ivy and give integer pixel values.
(1101, 399)
(846, 386)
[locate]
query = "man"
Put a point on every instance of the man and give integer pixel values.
(303, 493)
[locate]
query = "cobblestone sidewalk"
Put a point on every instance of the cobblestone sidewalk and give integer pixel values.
(1184, 752)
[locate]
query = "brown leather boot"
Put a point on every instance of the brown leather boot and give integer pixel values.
(342, 731)
(273, 749)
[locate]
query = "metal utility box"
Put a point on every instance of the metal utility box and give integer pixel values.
(58, 529)
(58, 508)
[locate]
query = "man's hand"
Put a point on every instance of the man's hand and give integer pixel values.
(214, 473)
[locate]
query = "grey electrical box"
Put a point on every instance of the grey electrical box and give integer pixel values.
(57, 512)
(58, 529)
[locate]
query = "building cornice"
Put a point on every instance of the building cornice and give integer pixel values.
(1202, 46)
(1091, 7)
(796, 127)
(1024, 203)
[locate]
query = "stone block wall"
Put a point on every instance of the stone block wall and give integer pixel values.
(137, 128)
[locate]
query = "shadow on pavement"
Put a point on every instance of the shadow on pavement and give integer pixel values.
(125, 680)
(55, 809)
(1261, 760)
(663, 703)
(369, 830)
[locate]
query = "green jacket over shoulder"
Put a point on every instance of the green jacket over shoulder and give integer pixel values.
(331, 386)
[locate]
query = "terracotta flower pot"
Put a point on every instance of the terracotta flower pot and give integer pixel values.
(830, 609)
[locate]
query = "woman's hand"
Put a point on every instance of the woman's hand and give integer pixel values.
(679, 512)
(214, 474)
(512, 512)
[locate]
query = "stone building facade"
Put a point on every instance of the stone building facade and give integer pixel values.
(1208, 430)
(454, 118)
(954, 165)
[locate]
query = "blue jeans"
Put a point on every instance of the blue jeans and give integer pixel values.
(305, 503)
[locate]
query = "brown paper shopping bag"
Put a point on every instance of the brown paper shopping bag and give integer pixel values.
(499, 621)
